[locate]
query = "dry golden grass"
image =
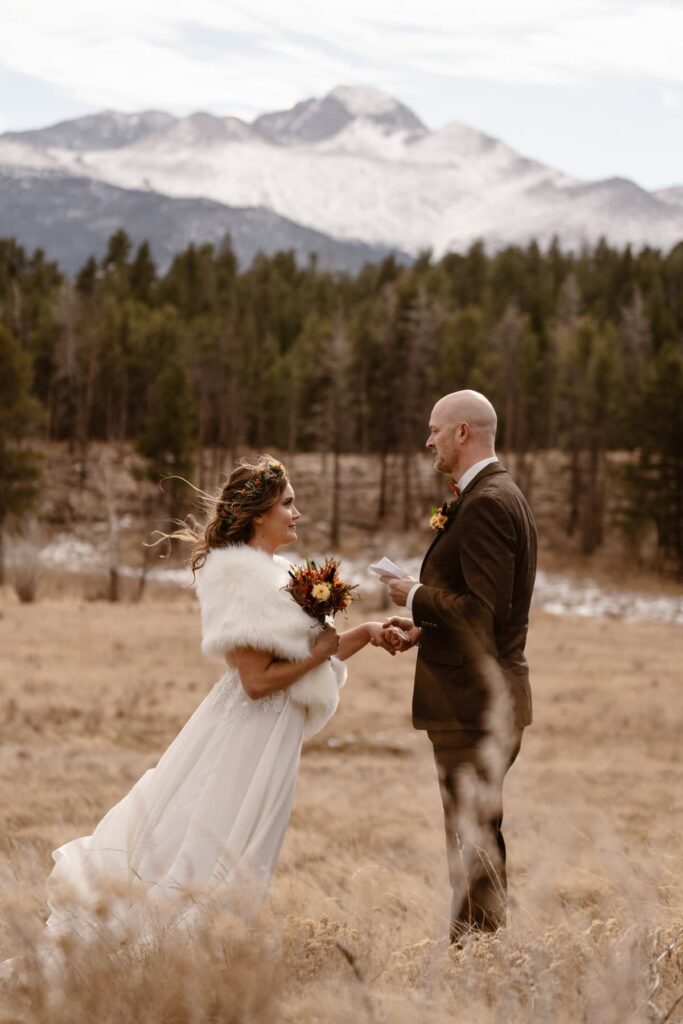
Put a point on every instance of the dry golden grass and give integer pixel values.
(356, 923)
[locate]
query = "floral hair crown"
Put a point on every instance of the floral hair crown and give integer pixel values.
(250, 490)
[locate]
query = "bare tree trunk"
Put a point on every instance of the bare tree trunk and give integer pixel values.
(524, 474)
(508, 335)
(142, 578)
(383, 480)
(592, 505)
(84, 413)
(509, 442)
(335, 523)
(574, 492)
(113, 523)
(407, 490)
(292, 415)
(202, 433)
(217, 461)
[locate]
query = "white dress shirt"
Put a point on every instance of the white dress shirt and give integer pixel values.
(464, 481)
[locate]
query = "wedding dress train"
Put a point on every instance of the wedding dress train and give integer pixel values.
(209, 819)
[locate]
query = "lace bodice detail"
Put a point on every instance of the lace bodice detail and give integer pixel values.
(229, 698)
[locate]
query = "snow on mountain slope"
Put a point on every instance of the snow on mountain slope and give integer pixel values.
(671, 195)
(196, 130)
(317, 119)
(108, 130)
(71, 218)
(356, 165)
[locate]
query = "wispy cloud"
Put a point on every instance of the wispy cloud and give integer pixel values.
(245, 58)
(592, 86)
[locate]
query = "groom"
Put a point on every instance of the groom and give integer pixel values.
(470, 614)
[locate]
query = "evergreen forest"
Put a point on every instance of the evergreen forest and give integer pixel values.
(579, 352)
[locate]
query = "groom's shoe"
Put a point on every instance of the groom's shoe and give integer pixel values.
(462, 938)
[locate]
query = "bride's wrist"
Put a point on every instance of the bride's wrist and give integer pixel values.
(372, 629)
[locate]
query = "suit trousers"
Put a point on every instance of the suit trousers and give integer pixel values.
(472, 764)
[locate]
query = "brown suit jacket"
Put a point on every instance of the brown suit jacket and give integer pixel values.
(473, 607)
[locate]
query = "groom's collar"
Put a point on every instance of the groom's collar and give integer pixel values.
(469, 474)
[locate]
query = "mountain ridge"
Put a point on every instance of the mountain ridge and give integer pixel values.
(78, 215)
(355, 165)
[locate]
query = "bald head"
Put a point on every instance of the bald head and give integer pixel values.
(462, 431)
(472, 408)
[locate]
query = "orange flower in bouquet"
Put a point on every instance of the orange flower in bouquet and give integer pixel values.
(320, 590)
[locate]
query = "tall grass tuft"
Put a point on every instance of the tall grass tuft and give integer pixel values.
(25, 568)
(595, 938)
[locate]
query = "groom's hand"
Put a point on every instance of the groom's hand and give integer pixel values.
(379, 638)
(406, 629)
(399, 589)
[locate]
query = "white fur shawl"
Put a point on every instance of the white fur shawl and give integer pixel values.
(243, 604)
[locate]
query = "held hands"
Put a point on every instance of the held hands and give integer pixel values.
(392, 636)
(405, 630)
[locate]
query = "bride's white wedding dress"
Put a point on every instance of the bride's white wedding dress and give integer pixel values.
(211, 816)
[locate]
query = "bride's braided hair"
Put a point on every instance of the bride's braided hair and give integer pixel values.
(251, 490)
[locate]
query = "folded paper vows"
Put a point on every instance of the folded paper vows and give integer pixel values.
(385, 567)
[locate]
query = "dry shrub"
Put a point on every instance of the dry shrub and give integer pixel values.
(613, 958)
(25, 568)
(594, 936)
(221, 969)
(357, 920)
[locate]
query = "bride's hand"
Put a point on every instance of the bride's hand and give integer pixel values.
(389, 637)
(403, 632)
(378, 636)
(326, 644)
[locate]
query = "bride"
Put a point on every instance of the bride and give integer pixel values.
(210, 818)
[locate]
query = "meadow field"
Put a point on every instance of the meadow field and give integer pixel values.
(356, 924)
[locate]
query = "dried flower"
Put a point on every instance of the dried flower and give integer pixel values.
(441, 517)
(319, 589)
(438, 521)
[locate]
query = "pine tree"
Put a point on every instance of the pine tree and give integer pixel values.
(167, 441)
(658, 479)
(143, 275)
(19, 414)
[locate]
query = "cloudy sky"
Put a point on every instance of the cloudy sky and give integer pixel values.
(594, 87)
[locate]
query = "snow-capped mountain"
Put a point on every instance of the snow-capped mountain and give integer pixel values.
(314, 120)
(72, 218)
(671, 195)
(109, 130)
(355, 165)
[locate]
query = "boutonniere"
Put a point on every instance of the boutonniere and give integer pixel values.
(442, 516)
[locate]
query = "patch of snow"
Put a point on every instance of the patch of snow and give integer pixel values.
(364, 101)
(554, 593)
(72, 553)
(178, 577)
(560, 595)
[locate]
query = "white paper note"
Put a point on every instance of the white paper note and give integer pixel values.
(385, 567)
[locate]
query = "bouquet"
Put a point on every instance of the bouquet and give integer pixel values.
(319, 589)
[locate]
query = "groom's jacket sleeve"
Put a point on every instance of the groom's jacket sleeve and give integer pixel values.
(482, 595)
